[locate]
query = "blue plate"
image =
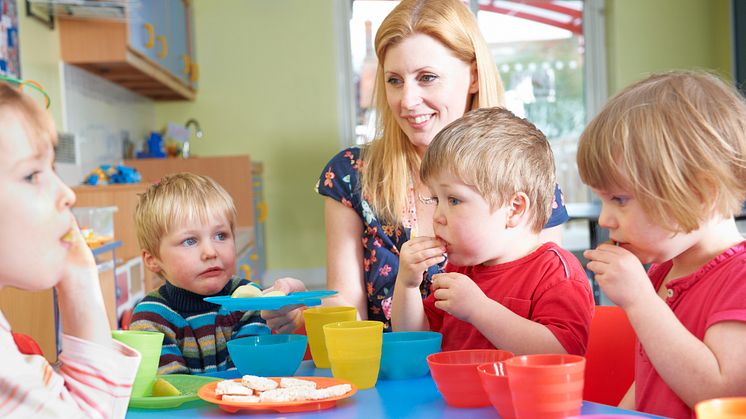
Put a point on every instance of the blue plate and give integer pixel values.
(306, 298)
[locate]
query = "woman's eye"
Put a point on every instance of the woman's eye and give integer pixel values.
(189, 242)
(393, 81)
(428, 77)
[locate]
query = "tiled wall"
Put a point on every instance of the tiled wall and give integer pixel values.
(100, 115)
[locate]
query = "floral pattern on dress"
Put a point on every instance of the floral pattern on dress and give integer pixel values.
(381, 242)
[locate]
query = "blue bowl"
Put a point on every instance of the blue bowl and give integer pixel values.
(403, 354)
(268, 355)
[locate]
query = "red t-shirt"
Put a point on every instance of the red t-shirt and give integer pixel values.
(714, 293)
(548, 286)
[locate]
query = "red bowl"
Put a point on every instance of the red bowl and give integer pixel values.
(456, 377)
(494, 377)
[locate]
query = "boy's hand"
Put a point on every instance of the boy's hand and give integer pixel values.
(415, 257)
(289, 318)
(457, 294)
(620, 274)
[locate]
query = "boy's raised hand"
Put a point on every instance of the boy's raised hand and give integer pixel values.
(415, 257)
(457, 295)
(620, 274)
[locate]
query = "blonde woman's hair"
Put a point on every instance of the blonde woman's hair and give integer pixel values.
(677, 142)
(37, 123)
(178, 199)
(500, 155)
(391, 160)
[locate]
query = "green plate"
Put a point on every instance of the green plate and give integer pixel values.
(187, 384)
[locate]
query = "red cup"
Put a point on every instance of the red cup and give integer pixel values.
(456, 377)
(495, 383)
(722, 408)
(546, 386)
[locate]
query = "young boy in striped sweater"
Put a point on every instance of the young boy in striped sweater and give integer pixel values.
(185, 227)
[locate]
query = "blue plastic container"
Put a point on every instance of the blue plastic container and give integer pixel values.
(403, 354)
(268, 355)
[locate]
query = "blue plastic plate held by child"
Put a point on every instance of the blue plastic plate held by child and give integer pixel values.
(306, 298)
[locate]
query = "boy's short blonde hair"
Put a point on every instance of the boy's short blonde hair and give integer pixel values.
(178, 199)
(677, 142)
(500, 155)
(35, 120)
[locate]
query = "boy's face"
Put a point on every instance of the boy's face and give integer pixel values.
(198, 257)
(36, 212)
(632, 229)
(472, 232)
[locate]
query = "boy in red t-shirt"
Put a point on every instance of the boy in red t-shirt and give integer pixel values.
(491, 175)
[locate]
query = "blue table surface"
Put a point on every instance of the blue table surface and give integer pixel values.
(389, 398)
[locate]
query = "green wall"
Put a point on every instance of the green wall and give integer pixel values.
(40, 58)
(268, 88)
(645, 36)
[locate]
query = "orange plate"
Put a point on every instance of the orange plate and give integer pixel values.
(207, 393)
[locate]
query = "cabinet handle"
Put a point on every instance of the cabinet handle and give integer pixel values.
(164, 46)
(151, 35)
(187, 64)
(195, 72)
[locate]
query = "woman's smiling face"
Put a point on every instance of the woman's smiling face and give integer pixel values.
(427, 87)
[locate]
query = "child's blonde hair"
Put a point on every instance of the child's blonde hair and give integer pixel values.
(178, 199)
(500, 155)
(36, 122)
(677, 142)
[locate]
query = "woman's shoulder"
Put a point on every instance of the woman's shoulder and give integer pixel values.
(347, 158)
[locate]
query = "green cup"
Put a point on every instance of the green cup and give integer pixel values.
(148, 344)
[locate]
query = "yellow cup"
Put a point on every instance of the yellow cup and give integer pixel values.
(355, 350)
(149, 345)
(315, 319)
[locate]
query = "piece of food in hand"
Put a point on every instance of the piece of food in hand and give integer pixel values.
(275, 293)
(162, 388)
(246, 291)
(69, 236)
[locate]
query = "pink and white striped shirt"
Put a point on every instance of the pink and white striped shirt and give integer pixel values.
(92, 381)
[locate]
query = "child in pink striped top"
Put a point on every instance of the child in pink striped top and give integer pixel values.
(41, 247)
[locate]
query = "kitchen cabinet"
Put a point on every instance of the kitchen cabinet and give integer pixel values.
(151, 53)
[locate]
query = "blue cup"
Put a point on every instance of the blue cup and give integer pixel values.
(268, 355)
(403, 354)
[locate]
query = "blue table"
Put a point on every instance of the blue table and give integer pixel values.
(418, 398)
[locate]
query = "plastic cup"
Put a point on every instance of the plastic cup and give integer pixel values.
(148, 344)
(546, 386)
(315, 319)
(494, 378)
(722, 408)
(355, 350)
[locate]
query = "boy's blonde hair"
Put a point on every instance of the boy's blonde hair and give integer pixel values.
(35, 120)
(178, 199)
(677, 142)
(500, 155)
(391, 161)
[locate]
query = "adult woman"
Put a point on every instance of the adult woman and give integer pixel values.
(434, 65)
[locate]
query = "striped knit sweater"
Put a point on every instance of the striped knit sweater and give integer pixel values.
(195, 331)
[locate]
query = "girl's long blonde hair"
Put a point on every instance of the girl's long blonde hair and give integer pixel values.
(391, 161)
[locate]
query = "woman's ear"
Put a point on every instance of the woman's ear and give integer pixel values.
(519, 210)
(474, 83)
(150, 262)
